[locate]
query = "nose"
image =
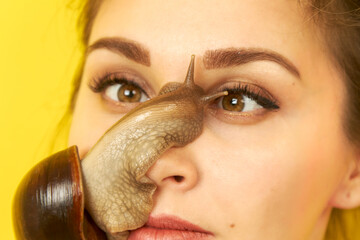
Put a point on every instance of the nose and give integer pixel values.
(175, 170)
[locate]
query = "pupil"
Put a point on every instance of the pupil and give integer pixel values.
(129, 93)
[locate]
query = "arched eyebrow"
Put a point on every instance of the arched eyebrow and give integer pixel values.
(128, 48)
(229, 57)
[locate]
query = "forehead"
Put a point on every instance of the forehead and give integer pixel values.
(188, 27)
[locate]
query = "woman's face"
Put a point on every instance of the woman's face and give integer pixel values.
(265, 167)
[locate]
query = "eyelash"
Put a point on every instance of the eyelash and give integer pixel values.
(244, 89)
(99, 84)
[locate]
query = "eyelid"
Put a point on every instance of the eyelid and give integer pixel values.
(235, 85)
(248, 117)
(99, 81)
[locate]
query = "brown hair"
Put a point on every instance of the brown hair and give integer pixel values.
(88, 12)
(338, 22)
(339, 25)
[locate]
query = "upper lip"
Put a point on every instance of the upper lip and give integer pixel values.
(173, 223)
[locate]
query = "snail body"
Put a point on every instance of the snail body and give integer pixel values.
(118, 195)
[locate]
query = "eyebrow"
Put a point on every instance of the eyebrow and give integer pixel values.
(128, 48)
(228, 57)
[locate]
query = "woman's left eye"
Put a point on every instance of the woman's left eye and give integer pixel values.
(238, 103)
(246, 98)
(126, 92)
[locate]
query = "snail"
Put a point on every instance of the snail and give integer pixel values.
(106, 194)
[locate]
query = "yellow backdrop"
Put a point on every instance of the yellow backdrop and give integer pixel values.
(38, 54)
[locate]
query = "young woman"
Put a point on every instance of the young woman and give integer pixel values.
(276, 155)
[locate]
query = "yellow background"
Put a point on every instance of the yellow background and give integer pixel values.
(39, 53)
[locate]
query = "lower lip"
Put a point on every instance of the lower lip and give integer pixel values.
(150, 233)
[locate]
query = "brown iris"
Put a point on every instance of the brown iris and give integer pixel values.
(129, 93)
(233, 102)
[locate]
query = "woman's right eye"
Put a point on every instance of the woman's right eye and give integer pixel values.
(125, 92)
(119, 88)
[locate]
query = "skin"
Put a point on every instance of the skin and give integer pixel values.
(118, 194)
(259, 170)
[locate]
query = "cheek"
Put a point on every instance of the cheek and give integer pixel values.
(283, 174)
(90, 121)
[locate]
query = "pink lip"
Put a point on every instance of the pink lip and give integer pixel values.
(167, 227)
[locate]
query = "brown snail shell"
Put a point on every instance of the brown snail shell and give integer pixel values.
(49, 202)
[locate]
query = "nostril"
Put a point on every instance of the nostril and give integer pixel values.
(178, 178)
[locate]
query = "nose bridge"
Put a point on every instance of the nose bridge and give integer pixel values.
(173, 69)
